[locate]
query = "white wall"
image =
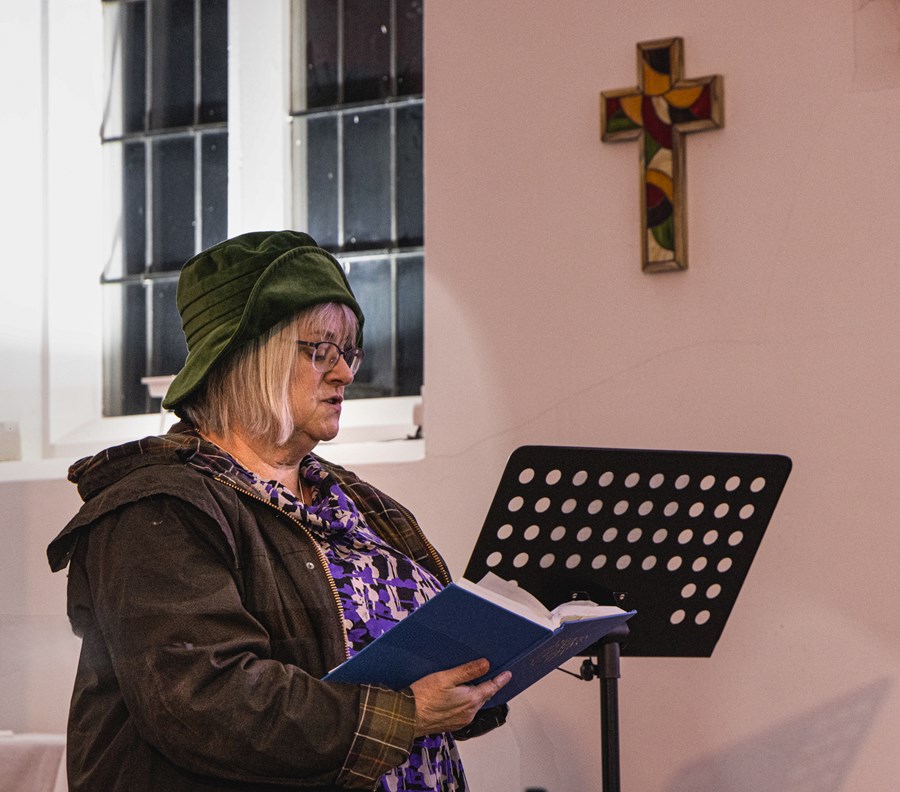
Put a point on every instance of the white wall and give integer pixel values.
(22, 150)
(780, 338)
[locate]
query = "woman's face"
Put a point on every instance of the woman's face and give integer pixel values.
(317, 397)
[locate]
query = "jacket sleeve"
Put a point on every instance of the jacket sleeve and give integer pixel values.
(486, 720)
(195, 667)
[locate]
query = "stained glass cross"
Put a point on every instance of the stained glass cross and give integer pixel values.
(660, 111)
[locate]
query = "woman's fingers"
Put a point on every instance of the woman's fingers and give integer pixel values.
(444, 700)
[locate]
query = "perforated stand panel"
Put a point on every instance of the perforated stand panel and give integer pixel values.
(671, 534)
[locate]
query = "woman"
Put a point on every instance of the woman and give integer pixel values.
(218, 572)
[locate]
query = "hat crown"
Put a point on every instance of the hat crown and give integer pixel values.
(235, 291)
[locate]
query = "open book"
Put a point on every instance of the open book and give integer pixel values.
(493, 619)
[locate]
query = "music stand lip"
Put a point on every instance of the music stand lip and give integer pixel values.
(618, 636)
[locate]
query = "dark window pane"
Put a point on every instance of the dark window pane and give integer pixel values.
(172, 63)
(322, 179)
(134, 65)
(125, 353)
(134, 207)
(367, 179)
(214, 188)
(163, 46)
(173, 202)
(377, 152)
(367, 50)
(371, 283)
(410, 345)
(409, 47)
(321, 53)
(167, 349)
(213, 61)
(409, 176)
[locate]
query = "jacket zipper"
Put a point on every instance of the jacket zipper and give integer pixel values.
(320, 554)
(438, 561)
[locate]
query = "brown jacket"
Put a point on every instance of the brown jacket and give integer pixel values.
(208, 617)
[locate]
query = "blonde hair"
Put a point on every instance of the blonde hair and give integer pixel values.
(250, 389)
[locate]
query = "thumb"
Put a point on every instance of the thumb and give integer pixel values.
(468, 671)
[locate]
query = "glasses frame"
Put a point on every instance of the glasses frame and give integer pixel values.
(353, 356)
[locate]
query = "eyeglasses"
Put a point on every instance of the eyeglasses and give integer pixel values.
(326, 354)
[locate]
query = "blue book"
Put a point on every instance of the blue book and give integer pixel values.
(493, 619)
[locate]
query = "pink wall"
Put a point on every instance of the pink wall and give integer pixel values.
(780, 338)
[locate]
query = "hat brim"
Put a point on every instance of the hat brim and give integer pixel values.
(297, 280)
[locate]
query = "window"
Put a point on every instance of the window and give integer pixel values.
(356, 133)
(357, 114)
(165, 142)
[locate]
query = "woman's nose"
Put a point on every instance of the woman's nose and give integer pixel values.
(342, 371)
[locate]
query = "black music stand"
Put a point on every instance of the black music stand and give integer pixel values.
(671, 534)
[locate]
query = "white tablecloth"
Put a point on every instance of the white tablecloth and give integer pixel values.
(32, 762)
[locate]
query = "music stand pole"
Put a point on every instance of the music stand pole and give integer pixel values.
(603, 663)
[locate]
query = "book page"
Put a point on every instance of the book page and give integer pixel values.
(515, 598)
(575, 610)
(510, 596)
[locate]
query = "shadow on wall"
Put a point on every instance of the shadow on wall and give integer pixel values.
(811, 752)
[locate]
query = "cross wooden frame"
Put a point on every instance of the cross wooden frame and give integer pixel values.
(660, 111)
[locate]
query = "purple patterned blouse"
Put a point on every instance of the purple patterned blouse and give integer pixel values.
(378, 586)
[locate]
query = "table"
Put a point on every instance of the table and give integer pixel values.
(32, 762)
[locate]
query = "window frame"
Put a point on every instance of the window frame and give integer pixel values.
(70, 385)
(396, 252)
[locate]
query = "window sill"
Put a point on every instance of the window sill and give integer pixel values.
(373, 431)
(34, 470)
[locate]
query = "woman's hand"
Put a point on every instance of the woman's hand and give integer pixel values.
(445, 702)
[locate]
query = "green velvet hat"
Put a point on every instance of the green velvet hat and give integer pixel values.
(235, 291)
